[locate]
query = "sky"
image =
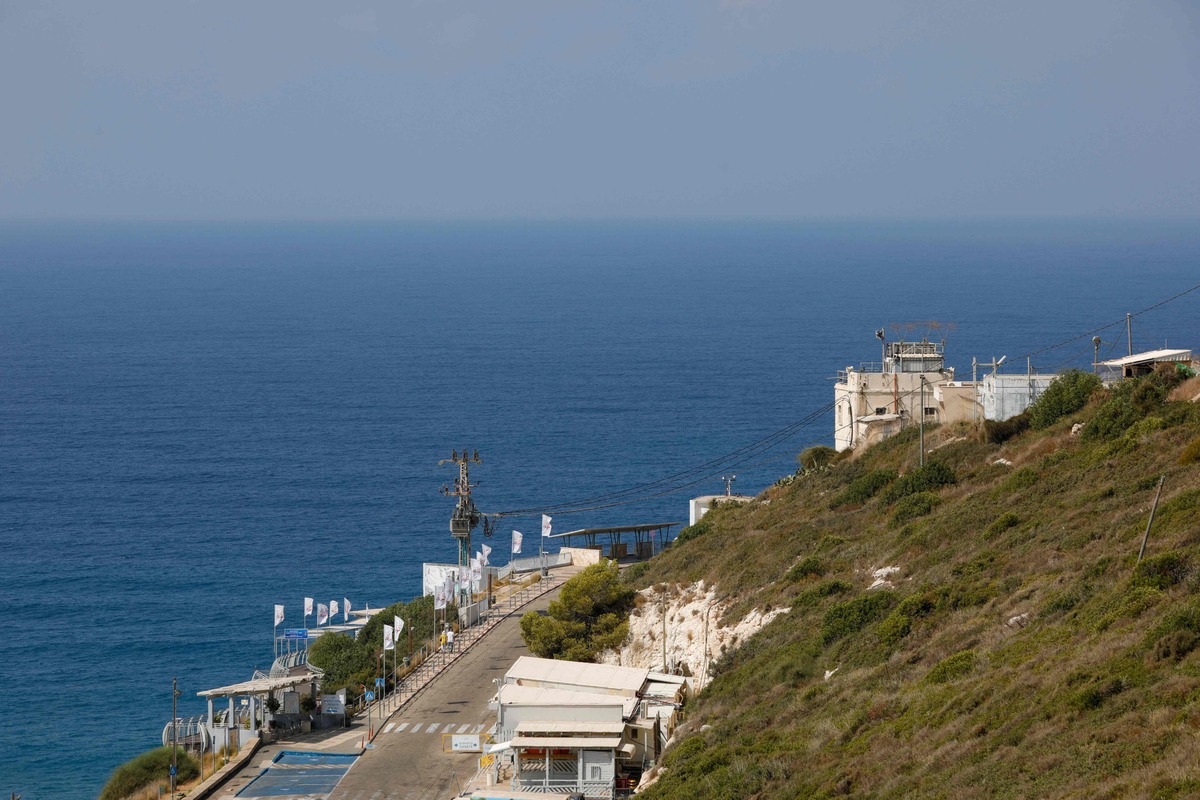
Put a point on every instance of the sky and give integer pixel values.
(437, 109)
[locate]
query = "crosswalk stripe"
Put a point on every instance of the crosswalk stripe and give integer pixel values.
(401, 727)
(388, 728)
(463, 729)
(478, 729)
(416, 727)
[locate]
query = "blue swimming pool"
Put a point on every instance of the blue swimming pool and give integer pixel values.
(300, 774)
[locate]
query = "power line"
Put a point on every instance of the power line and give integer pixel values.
(679, 480)
(704, 472)
(1148, 309)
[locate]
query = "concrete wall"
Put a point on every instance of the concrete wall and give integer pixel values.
(582, 556)
(1005, 396)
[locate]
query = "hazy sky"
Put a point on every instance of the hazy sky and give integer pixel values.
(492, 109)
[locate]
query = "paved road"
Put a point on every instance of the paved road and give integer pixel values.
(407, 762)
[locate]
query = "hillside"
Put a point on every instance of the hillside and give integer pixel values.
(1017, 650)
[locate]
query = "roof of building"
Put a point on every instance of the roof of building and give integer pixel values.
(257, 686)
(737, 498)
(569, 742)
(518, 695)
(1148, 357)
(878, 417)
(654, 526)
(570, 673)
(535, 727)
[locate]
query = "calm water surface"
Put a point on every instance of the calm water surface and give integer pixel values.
(200, 421)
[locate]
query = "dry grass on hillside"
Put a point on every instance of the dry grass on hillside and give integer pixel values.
(1019, 652)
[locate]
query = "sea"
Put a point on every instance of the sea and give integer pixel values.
(201, 420)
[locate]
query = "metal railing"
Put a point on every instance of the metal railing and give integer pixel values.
(430, 660)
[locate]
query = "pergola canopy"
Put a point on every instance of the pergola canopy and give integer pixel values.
(256, 686)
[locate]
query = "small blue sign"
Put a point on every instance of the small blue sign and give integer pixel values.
(370, 696)
(172, 770)
(295, 633)
(379, 681)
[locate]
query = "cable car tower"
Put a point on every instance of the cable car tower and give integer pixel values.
(466, 516)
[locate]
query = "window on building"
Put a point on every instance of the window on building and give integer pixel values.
(930, 412)
(881, 410)
(595, 773)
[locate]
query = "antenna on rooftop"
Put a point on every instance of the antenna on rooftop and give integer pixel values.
(729, 484)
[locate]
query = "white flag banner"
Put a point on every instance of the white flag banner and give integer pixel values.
(278, 614)
(439, 598)
(448, 587)
(516, 544)
(322, 613)
(389, 637)
(346, 611)
(476, 569)
(545, 525)
(487, 551)
(333, 609)
(307, 606)
(397, 626)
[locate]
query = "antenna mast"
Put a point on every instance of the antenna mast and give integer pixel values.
(465, 516)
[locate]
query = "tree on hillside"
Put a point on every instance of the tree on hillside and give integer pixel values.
(591, 615)
(1065, 395)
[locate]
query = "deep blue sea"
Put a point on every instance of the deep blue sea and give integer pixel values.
(198, 421)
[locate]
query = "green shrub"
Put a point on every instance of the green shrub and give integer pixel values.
(851, 616)
(631, 574)
(864, 487)
(1065, 395)
(953, 667)
(1161, 572)
(894, 628)
(1002, 523)
(912, 507)
(1175, 645)
(934, 475)
(694, 531)
(1092, 697)
(810, 567)
(146, 769)
(810, 598)
(1000, 431)
(1128, 402)
(1190, 454)
(816, 457)
(918, 605)
(1066, 600)
(1022, 478)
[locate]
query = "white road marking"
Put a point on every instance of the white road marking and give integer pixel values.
(478, 729)
(463, 729)
(388, 728)
(402, 726)
(416, 727)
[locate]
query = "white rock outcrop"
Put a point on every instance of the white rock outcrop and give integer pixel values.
(692, 635)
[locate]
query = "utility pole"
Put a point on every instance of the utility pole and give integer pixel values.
(921, 412)
(994, 364)
(1129, 331)
(729, 484)
(1096, 357)
(174, 734)
(465, 516)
